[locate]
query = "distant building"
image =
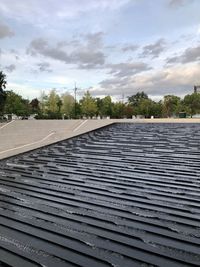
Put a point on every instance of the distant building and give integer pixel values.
(196, 88)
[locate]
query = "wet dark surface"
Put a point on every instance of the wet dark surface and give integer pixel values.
(127, 195)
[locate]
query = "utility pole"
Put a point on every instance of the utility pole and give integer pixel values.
(123, 97)
(75, 89)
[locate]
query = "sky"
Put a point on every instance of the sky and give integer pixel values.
(109, 47)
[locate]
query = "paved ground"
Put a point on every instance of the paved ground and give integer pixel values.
(24, 135)
(21, 136)
(127, 195)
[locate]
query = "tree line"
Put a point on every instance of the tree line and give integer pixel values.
(59, 106)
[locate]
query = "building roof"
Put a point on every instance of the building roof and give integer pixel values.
(125, 195)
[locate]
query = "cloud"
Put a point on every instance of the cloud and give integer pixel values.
(179, 3)
(41, 46)
(5, 31)
(87, 53)
(182, 78)
(10, 68)
(44, 67)
(154, 50)
(126, 69)
(95, 40)
(191, 54)
(131, 48)
(40, 12)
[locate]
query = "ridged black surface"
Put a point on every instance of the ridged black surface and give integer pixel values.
(123, 196)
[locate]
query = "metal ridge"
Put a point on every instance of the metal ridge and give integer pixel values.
(124, 195)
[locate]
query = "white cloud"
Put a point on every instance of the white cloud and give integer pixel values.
(177, 80)
(45, 11)
(24, 90)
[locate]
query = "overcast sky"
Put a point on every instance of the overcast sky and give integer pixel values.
(114, 47)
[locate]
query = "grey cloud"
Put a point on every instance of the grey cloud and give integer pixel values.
(154, 50)
(179, 3)
(95, 40)
(44, 67)
(127, 69)
(5, 31)
(191, 54)
(85, 55)
(10, 68)
(15, 53)
(112, 83)
(41, 46)
(132, 48)
(88, 60)
(123, 78)
(172, 60)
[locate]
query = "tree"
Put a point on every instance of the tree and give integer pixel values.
(171, 104)
(146, 107)
(88, 105)
(53, 102)
(34, 104)
(43, 103)
(98, 102)
(59, 104)
(192, 103)
(135, 101)
(67, 105)
(106, 108)
(150, 108)
(3, 83)
(118, 110)
(157, 109)
(15, 104)
(128, 111)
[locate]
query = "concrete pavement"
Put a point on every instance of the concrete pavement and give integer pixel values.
(21, 136)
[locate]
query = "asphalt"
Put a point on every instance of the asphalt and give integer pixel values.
(122, 196)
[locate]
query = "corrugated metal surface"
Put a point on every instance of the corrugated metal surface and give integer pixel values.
(127, 195)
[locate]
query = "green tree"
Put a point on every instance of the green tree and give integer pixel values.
(128, 111)
(88, 105)
(43, 100)
(59, 104)
(53, 102)
(98, 102)
(149, 108)
(192, 103)
(35, 106)
(146, 107)
(68, 105)
(157, 109)
(3, 83)
(15, 104)
(118, 110)
(135, 101)
(106, 107)
(171, 105)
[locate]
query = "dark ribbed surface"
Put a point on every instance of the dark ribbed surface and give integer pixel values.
(123, 196)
